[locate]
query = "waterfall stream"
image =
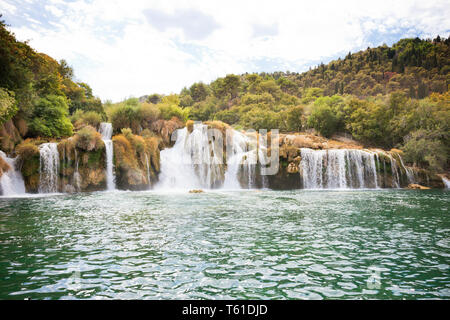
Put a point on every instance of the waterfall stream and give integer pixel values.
(148, 170)
(446, 182)
(11, 182)
(106, 131)
(338, 169)
(48, 168)
(195, 161)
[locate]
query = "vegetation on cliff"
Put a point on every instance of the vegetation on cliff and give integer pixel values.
(136, 159)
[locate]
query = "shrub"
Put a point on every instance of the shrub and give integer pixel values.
(88, 139)
(147, 114)
(27, 149)
(81, 118)
(125, 116)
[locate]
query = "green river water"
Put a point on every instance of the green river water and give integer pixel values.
(380, 244)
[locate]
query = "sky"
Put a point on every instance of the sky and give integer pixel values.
(133, 47)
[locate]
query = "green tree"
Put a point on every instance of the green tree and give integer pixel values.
(50, 117)
(422, 148)
(8, 107)
(323, 119)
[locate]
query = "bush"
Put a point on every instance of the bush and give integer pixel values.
(27, 150)
(168, 111)
(88, 139)
(125, 116)
(90, 118)
(148, 113)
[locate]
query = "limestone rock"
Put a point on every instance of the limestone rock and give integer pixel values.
(292, 168)
(417, 186)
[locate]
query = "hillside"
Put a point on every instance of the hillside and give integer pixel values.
(417, 67)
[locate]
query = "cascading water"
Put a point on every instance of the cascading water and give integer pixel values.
(106, 131)
(395, 174)
(148, 170)
(11, 182)
(446, 182)
(76, 174)
(195, 161)
(409, 172)
(49, 168)
(241, 159)
(338, 169)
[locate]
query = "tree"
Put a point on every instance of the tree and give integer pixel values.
(422, 149)
(198, 91)
(323, 120)
(50, 117)
(294, 118)
(8, 107)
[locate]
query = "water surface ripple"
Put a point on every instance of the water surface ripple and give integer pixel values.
(380, 244)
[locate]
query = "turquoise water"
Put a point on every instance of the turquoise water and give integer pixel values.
(382, 244)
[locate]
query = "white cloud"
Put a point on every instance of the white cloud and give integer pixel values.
(120, 52)
(5, 6)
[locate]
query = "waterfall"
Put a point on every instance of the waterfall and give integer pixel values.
(241, 159)
(48, 168)
(409, 172)
(338, 169)
(11, 182)
(195, 161)
(76, 174)
(106, 132)
(395, 175)
(148, 170)
(446, 182)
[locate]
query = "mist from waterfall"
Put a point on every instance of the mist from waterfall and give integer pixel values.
(195, 161)
(106, 131)
(48, 168)
(11, 182)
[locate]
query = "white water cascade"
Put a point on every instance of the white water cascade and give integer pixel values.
(195, 161)
(242, 158)
(395, 174)
(11, 182)
(446, 182)
(106, 131)
(338, 169)
(49, 168)
(148, 170)
(76, 173)
(409, 172)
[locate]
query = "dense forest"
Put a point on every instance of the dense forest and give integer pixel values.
(383, 97)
